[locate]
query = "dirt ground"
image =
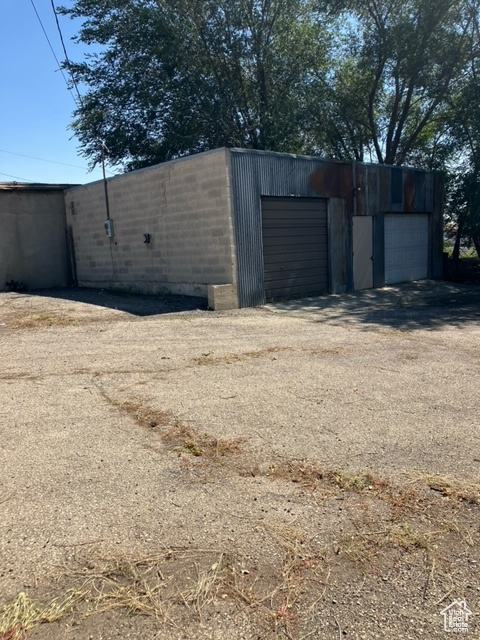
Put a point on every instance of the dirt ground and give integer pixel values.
(305, 470)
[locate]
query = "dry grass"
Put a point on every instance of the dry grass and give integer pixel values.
(374, 540)
(459, 490)
(384, 527)
(40, 320)
(389, 524)
(55, 319)
(23, 614)
(310, 475)
(176, 435)
(133, 584)
(184, 586)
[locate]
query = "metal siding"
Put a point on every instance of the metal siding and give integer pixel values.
(429, 186)
(436, 237)
(256, 174)
(385, 187)
(396, 196)
(372, 195)
(419, 206)
(408, 191)
(360, 192)
(262, 173)
(340, 247)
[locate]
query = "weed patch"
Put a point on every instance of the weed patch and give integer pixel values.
(310, 475)
(459, 490)
(176, 435)
(40, 321)
(23, 614)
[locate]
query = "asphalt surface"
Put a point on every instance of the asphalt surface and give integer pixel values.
(385, 380)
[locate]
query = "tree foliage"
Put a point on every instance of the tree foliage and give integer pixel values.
(397, 62)
(463, 203)
(180, 76)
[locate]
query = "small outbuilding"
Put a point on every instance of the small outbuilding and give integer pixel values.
(242, 227)
(33, 241)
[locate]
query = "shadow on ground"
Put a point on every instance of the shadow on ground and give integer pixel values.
(134, 304)
(416, 305)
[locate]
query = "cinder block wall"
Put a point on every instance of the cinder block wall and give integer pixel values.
(33, 244)
(184, 205)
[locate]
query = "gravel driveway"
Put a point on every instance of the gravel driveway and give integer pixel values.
(108, 414)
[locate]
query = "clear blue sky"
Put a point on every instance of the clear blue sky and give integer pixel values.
(35, 105)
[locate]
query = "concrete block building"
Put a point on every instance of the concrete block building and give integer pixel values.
(242, 227)
(236, 226)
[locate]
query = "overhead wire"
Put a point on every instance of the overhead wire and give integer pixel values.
(67, 59)
(15, 177)
(53, 50)
(102, 145)
(78, 100)
(65, 164)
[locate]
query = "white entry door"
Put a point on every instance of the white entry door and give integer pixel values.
(406, 247)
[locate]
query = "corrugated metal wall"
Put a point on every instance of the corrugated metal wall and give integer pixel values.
(364, 189)
(377, 188)
(256, 174)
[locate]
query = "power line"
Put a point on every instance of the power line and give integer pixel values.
(52, 50)
(65, 164)
(69, 67)
(16, 177)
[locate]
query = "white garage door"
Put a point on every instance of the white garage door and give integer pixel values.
(406, 247)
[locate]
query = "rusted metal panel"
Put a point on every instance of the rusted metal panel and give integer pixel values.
(334, 180)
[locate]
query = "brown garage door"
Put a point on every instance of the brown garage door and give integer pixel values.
(295, 250)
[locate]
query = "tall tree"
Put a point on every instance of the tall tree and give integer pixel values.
(397, 62)
(463, 203)
(179, 76)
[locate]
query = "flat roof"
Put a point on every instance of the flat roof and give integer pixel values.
(34, 186)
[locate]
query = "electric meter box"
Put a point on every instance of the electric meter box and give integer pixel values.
(109, 228)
